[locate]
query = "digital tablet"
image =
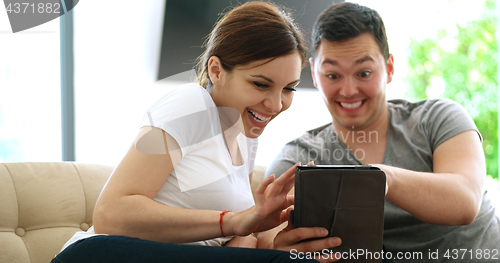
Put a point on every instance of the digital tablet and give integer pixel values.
(348, 200)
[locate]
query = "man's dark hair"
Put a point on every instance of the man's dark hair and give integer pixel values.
(346, 20)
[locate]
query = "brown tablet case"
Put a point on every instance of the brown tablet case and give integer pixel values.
(347, 200)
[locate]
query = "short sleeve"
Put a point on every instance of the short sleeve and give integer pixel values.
(316, 145)
(187, 113)
(282, 162)
(443, 119)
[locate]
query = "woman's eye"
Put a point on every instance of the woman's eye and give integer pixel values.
(332, 76)
(290, 89)
(364, 74)
(260, 85)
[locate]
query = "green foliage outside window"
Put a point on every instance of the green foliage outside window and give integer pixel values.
(462, 67)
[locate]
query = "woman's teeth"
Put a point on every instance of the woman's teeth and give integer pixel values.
(351, 105)
(258, 118)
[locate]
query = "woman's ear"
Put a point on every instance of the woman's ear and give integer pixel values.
(215, 70)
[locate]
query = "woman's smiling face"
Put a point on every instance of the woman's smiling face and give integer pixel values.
(259, 91)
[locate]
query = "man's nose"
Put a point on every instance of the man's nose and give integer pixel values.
(349, 88)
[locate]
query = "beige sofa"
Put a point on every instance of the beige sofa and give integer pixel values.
(43, 204)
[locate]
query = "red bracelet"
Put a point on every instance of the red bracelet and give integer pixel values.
(220, 222)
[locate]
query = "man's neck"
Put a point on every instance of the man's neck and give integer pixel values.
(373, 133)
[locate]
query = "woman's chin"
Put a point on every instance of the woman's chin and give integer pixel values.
(253, 132)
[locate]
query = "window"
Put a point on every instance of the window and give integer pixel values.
(426, 47)
(30, 105)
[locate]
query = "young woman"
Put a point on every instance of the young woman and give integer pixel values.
(186, 178)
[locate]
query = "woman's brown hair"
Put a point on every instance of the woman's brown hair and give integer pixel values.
(250, 32)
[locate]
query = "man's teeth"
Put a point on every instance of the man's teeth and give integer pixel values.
(351, 105)
(257, 117)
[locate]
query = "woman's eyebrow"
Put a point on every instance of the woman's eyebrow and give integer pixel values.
(271, 81)
(264, 77)
(295, 82)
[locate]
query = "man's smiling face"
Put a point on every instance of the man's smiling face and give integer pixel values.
(352, 76)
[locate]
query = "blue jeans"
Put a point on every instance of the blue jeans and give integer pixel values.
(121, 249)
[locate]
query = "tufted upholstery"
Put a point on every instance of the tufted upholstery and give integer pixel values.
(43, 204)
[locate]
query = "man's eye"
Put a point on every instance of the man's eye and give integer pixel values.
(332, 76)
(364, 74)
(260, 85)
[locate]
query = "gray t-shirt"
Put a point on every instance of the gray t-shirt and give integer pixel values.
(415, 130)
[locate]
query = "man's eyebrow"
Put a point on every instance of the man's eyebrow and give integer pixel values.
(330, 61)
(363, 59)
(271, 81)
(357, 62)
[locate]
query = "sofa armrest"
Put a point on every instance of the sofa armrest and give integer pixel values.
(43, 204)
(257, 177)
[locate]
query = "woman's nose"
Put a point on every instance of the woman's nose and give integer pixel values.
(274, 102)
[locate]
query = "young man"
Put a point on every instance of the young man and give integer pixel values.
(430, 150)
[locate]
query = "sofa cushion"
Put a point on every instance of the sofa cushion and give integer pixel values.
(43, 204)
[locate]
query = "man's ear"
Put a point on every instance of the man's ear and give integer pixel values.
(215, 70)
(390, 68)
(311, 63)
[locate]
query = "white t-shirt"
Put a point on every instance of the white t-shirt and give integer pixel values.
(205, 177)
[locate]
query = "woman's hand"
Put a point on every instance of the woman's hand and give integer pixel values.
(290, 238)
(270, 203)
(249, 241)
